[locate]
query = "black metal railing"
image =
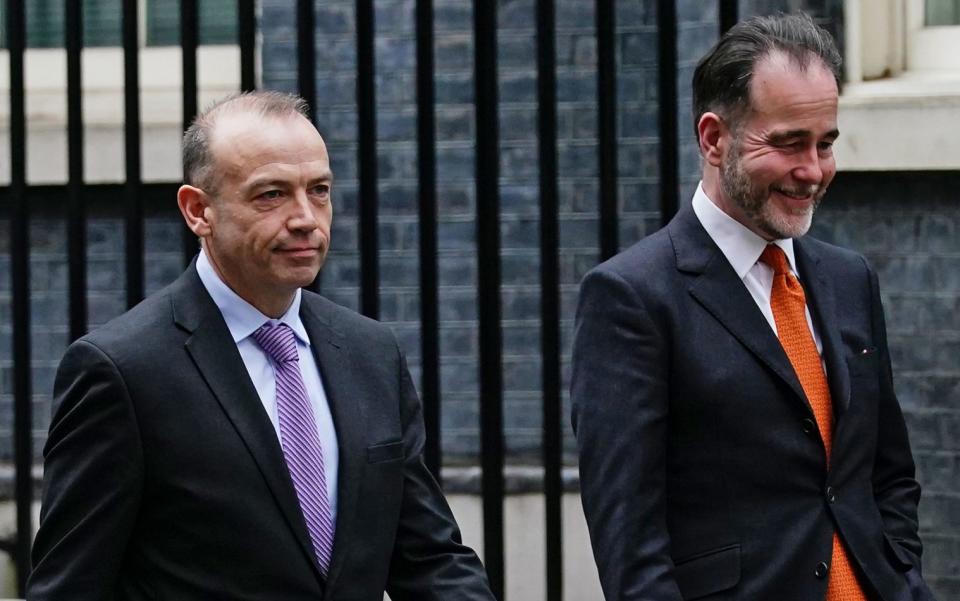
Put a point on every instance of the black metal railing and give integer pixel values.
(668, 135)
(487, 174)
(427, 219)
(133, 225)
(20, 273)
(134, 195)
(607, 127)
(76, 213)
(550, 297)
(367, 162)
(189, 40)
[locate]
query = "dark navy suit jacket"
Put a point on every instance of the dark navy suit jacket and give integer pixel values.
(703, 473)
(164, 478)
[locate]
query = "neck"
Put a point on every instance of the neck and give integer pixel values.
(271, 303)
(714, 191)
(273, 308)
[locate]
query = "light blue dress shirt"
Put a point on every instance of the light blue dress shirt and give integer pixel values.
(243, 319)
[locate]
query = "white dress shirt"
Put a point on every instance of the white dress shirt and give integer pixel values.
(743, 248)
(243, 319)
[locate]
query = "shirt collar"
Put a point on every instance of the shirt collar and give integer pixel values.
(242, 318)
(739, 245)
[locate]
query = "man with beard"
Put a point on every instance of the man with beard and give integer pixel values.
(236, 437)
(732, 395)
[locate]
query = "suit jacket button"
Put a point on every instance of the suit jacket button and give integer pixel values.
(831, 495)
(808, 426)
(822, 569)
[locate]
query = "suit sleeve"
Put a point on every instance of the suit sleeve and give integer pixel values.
(620, 398)
(429, 559)
(93, 478)
(896, 491)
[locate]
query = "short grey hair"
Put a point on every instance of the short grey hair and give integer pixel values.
(198, 161)
(721, 81)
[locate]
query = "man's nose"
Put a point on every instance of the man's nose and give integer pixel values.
(809, 168)
(303, 215)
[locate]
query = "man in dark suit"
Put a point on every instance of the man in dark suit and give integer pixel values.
(233, 436)
(733, 403)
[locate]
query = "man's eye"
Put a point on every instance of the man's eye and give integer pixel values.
(271, 194)
(825, 146)
(322, 189)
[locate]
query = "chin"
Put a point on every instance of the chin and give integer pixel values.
(787, 226)
(301, 278)
(307, 280)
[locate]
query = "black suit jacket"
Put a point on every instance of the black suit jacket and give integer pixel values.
(703, 474)
(164, 478)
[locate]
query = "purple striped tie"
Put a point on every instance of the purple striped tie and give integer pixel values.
(299, 438)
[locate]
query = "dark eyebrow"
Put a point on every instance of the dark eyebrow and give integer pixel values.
(792, 134)
(267, 183)
(325, 177)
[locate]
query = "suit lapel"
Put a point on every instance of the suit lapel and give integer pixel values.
(214, 352)
(822, 304)
(717, 287)
(332, 355)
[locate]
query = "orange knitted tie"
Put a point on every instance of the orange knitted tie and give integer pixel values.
(789, 303)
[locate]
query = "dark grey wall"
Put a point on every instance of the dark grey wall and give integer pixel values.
(576, 90)
(907, 224)
(396, 121)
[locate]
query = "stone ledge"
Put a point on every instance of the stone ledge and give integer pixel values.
(518, 479)
(7, 483)
(916, 112)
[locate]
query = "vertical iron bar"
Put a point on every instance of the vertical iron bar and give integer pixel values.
(729, 14)
(427, 186)
(487, 176)
(669, 138)
(307, 71)
(20, 274)
(76, 212)
(306, 55)
(550, 296)
(367, 161)
(246, 30)
(189, 40)
(607, 126)
(131, 111)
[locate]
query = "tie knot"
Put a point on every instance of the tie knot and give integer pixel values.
(774, 256)
(278, 341)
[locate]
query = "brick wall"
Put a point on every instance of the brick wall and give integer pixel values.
(908, 226)
(907, 223)
(396, 124)
(49, 298)
(928, 375)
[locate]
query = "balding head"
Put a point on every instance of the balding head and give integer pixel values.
(198, 160)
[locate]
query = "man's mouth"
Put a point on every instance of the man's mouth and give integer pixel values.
(806, 193)
(299, 251)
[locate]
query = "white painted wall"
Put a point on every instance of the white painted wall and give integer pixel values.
(524, 540)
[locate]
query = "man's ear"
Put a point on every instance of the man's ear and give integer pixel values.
(193, 203)
(712, 131)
